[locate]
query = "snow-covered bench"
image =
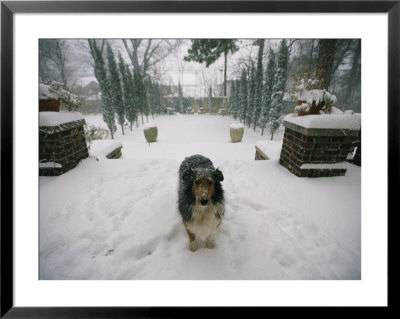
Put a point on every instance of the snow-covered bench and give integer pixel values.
(101, 149)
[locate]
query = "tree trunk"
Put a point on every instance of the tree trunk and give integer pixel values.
(326, 59)
(354, 74)
(311, 57)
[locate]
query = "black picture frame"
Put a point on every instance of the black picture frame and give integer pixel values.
(9, 8)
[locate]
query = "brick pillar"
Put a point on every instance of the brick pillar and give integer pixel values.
(316, 152)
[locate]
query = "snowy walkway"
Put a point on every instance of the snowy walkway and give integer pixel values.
(118, 219)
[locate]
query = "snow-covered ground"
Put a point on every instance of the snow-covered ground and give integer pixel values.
(118, 219)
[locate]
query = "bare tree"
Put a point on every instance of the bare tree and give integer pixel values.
(52, 57)
(146, 53)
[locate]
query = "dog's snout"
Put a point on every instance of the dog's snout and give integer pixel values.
(204, 201)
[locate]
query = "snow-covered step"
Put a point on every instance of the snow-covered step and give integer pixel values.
(110, 149)
(268, 150)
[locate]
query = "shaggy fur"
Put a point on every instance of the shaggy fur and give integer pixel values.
(200, 199)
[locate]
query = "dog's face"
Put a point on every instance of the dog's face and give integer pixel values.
(203, 184)
(203, 189)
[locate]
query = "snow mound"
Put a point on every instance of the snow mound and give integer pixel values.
(237, 125)
(58, 118)
(149, 126)
(326, 121)
(335, 110)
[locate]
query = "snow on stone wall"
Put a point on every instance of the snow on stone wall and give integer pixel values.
(58, 118)
(326, 121)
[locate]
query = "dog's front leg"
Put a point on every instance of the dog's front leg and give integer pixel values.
(192, 240)
(193, 245)
(210, 241)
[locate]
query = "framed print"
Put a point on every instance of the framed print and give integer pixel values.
(122, 220)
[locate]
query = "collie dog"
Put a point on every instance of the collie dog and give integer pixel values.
(200, 199)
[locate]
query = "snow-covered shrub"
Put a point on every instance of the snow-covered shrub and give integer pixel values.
(310, 97)
(55, 90)
(93, 132)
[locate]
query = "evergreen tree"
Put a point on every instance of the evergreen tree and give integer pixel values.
(243, 93)
(150, 97)
(279, 87)
(267, 90)
(153, 103)
(124, 85)
(157, 98)
(180, 99)
(139, 93)
(100, 73)
(237, 99)
(127, 89)
(132, 111)
(251, 96)
(147, 95)
(210, 50)
(233, 103)
(210, 100)
(259, 85)
(115, 86)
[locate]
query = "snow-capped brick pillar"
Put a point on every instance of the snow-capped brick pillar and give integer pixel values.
(318, 145)
(62, 142)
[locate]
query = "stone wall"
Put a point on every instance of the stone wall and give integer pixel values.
(316, 152)
(61, 147)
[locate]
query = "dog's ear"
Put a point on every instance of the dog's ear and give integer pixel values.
(218, 175)
(188, 175)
